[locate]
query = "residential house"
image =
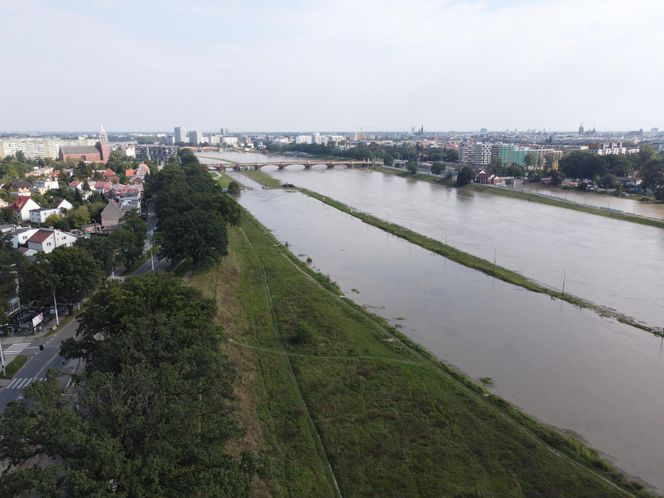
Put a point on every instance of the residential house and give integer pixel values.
(21, 236)
(41, 215)
(47, 240)
(63, 205)
(43, 186)
(22, 207)
(485, 178)
(111, 214)
(110, 176)
(19, 187)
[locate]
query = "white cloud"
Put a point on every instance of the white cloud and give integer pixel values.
(380, 64)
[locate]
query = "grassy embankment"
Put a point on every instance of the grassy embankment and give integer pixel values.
(263, 178)
(14, 366)
(425, 178)
(476, 263)
(392, 420)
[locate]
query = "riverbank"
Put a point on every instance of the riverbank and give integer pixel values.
(331, 393)
(476, 263)
(552, 201)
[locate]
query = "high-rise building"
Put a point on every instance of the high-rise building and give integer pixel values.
(223, 131)
(303, 139)
(180, 135)
(475, 153)
(196, 137)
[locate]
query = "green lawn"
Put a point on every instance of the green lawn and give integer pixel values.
(14, 366)
(392, 420)
(262, 178)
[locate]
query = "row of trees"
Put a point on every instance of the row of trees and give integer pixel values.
(192, 212)
(647, 163)
(150, 415)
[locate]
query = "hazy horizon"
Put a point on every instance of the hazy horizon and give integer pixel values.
(375, 65)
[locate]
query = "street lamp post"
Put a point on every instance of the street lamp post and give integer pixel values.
(564, 278)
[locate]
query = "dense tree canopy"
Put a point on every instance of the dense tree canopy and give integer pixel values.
(150, 415)
(192, 212)
(72, 273)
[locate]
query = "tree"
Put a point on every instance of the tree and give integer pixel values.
(234, 188)
(102, 248)
(438, 168)
(465, 176)
(411, 167)
(583, 164)
(388, 159)
(152, 414)
(192, 211)
(128, 239)
(69, 272)
(530, 159)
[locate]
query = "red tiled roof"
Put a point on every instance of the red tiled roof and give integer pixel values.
(40, 236)
(20, 202)
(130, 172)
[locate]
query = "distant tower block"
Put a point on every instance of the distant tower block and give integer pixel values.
(103, 137)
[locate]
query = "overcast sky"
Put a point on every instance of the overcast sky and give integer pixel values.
(331, 65)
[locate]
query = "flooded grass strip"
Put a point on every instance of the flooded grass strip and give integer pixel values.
(526, 196)
(552, 201)
(479, 264)
(263, 178)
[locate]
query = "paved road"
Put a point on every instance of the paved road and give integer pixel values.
(39, 362)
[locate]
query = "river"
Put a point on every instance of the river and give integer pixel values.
(567, 366)
(609, 262)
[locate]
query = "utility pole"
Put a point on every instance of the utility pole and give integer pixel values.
(55, 307)
(2, 360)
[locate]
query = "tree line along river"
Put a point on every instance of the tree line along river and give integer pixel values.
(567, 366)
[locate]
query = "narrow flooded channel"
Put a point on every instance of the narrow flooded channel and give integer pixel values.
(568, 367)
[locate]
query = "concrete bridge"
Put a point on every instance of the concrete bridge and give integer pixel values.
(284, 164)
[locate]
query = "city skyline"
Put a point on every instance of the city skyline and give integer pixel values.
(379, 66)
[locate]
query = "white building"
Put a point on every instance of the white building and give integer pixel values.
(40, 215)
(232, 141)
(180, 135)
(43, 186)
(22, 207)
(196, 137)
(21, 236)
(475, 153)
(37, 148)
(213, 139)
(45, 240)
(303, 139)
